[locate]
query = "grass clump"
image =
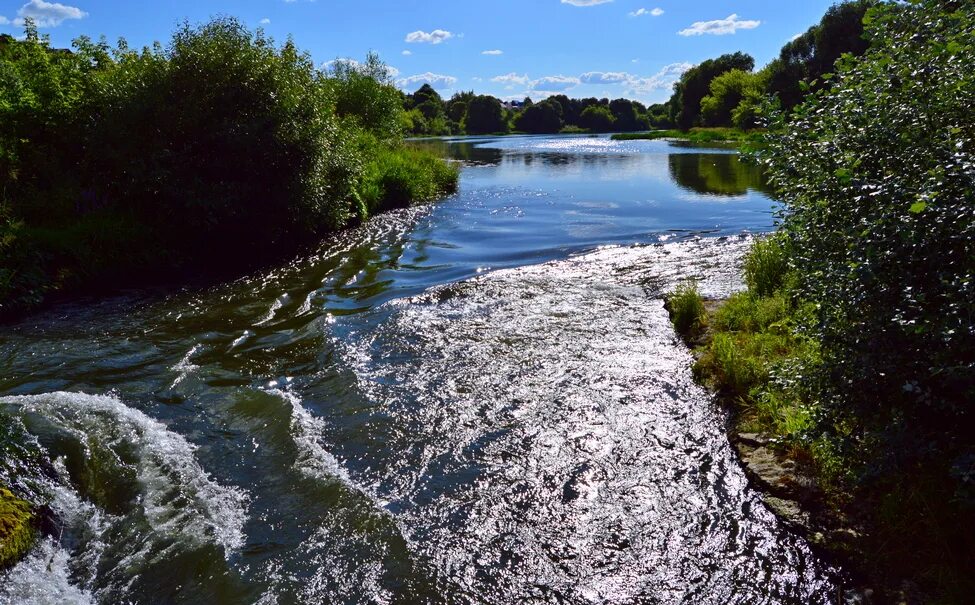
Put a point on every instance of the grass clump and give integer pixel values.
(696, 135)
(766, 265)
(686, 309)
(16, 528)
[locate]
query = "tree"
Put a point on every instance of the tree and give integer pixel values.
(624, 115)
(727, 93)
(597, 118)
(484, 116)
(813, 54)
(365, 92)
(695, 84)
(540, 118)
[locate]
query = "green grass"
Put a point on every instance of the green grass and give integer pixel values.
(686, 308)
(16, 528)
(696, 135)
(766, 265)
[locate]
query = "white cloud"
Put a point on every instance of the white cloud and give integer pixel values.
(407, 53)
(719, 27)
(265, 21)
(654, 12)
(604, 77)
(435, 37)
(554, 83)
(4, 20)
(48, 14)
(492, 52)
(662, 80)
(436, 80)
(512, 79)
(585, 2)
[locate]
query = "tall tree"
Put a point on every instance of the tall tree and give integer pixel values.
(695, 84)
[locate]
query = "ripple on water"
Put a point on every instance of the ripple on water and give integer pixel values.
(547, 443)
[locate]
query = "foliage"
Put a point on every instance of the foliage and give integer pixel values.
(878, 174)
(809, 56)
(732, 99)
(484, 116)
(116, 163)
(364, 92)
(597, 118)
(695, 84)
(766, 265)
(540, 118)
(686, 309)
(400, 175)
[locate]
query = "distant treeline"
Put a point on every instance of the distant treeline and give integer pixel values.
(721, 92)
(222, 148)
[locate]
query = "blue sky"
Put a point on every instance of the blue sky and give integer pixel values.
(508, 48)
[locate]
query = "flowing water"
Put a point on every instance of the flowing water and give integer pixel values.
(476, 401)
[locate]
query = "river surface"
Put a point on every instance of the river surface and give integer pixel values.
(480, 400)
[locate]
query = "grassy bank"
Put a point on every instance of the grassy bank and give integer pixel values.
(697, 135)
(218, 152)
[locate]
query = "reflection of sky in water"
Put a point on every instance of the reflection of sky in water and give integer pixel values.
(576, 192)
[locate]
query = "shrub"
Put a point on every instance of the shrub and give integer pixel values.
(686, 309)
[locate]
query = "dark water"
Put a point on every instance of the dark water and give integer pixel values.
(477, 401)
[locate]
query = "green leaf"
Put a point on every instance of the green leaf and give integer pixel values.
(918, 207)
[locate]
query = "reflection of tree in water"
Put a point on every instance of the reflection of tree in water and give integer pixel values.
(464, 151)
(716, 174)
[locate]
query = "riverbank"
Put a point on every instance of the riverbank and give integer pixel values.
(125, 168)
(697, 135)
(751, 350)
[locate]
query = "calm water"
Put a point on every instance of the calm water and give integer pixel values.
(476, 401)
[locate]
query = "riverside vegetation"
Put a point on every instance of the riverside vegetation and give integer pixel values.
(853, 346)
(117, 164)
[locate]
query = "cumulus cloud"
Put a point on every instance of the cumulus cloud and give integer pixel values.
(554, 83)
(265, 21)
(604, 77)
(512, 79)
(719, 27)
(654, 12)
(439, 81)
(662, 80)
(585, 2)
(407, 53)
(492, 52)
(435, 37)
(47, 14)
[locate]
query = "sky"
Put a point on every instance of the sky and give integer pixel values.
(508, 48)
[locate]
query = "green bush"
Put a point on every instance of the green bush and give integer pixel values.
(399, 175)
(686, 309)
(118, 163)
(877, 177)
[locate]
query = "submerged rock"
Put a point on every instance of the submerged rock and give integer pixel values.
(17, 531)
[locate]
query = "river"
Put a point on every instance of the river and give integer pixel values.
(479, 400)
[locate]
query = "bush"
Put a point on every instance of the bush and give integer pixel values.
(400, 175)
(119, 164)
(686, 309)
(877, 176)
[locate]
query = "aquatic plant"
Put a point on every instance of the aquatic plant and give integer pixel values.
(17, 532)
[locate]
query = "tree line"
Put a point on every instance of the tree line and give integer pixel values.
(722, 92)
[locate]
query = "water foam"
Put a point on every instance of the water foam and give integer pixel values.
(177, 507)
